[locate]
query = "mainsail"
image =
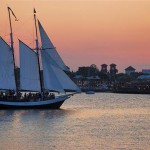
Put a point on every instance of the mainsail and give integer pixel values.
(7, 76)
(54, 77)
(47, 45)
(29, 73)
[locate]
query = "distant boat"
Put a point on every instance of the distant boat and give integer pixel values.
(38, 88)
(90, 92)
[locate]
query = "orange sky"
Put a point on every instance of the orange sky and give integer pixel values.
(86, 31)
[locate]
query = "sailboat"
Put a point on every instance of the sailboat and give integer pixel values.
(38, 86)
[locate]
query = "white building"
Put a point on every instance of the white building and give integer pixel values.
(146, 71)
(144, 77)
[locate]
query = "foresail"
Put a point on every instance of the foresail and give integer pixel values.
(66, 82)
(29, 72)
(7, 76)
(54, 77)
(50, 79)
(48, 45)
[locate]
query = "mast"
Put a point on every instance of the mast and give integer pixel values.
(37, 50)
(12, 42)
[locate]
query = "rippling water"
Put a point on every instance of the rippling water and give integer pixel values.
(103, 121)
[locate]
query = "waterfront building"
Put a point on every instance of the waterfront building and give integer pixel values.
(144, 77)
(146, 71)
(79, 80)
(129, 70)
(104, 68)
(86, 83)
(113, 69)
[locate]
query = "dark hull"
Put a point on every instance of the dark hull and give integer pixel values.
(46, 104)
(56, 105)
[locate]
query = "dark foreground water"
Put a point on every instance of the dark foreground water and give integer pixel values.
(102, 121)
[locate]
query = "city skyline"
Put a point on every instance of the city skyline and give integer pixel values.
(86, 32)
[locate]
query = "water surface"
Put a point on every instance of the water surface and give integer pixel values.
(103, 121)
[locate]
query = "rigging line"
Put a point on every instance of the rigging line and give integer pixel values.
(16, 19)
(27, 41)
(6, 35)
(33, 33)
(23, 24)
(29, 32)
(24, 37)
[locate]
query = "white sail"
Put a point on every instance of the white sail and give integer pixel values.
(65, 81)
(7, 76)
(47, 44)
(50, 79)
(29, 71)
(54, 77)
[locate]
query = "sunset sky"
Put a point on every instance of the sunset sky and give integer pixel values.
(86, 32)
